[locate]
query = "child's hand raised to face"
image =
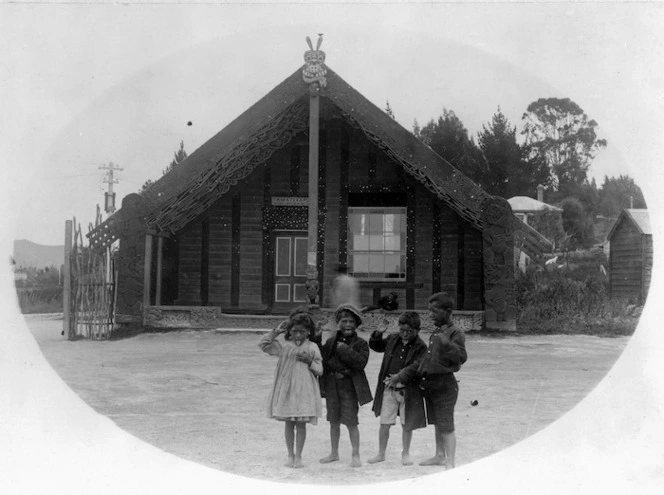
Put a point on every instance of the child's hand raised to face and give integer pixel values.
(281, 328)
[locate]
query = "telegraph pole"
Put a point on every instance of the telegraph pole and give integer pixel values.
(109, 196)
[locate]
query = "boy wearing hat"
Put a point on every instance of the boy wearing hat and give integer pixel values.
(445, 355)
(344, 383)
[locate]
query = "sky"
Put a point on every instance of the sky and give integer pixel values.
(82, 85)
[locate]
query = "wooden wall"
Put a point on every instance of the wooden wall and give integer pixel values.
(630, 263)
(444, 253)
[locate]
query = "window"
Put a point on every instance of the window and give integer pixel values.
(377, 242)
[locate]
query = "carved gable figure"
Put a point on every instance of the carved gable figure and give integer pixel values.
(314, 69)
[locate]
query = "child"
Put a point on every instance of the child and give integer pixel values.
(295, 397)
(344, 384)
(398, 392)
(446, 353)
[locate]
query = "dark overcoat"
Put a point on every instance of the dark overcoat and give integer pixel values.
(354, 358)
(413, 401)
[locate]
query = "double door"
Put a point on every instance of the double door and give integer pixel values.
(290, 267)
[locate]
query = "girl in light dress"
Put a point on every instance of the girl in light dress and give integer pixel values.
(295, 396)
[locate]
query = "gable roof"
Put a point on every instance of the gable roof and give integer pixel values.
(523, 204)
(637, 216)
(178, 197)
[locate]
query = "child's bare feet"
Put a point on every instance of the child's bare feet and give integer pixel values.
(434, 461)
(290, 462)
(355, 461)
(405, 460)
(297, 462)
(330, 458)
(378, 458)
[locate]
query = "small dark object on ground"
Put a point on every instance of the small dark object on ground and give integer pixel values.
(473, 402)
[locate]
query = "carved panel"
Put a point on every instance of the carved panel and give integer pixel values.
(498, 239)
(230, 166)
(131, 255)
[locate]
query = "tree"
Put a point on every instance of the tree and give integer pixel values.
(577, 223)
(508, 170)
(388, 110)
(619, 193)
(549, 223)
(558, 130)
(178, 157)
(449, 138)
(587, 193)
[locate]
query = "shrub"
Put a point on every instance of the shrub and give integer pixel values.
(40, 299)
(572, 299)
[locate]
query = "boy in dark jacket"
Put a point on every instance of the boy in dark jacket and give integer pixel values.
(444, 357)
(398, 392)
(344, 383)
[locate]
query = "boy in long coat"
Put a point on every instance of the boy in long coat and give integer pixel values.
(398, 392)
(344, 384)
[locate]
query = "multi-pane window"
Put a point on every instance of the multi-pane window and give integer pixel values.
(377, 242)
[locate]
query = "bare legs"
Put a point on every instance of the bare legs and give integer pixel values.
(406, 437)
(335, 434)
(384, 436)
(295, 443)
(354, 433)
(445, 449)
(449, 446)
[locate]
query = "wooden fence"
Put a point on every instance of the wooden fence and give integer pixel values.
(89, 288)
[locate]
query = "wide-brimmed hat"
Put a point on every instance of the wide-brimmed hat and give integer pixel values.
(351, 309)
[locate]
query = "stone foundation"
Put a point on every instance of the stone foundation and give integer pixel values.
(208, 317)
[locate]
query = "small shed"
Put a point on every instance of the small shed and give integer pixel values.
(631, 256)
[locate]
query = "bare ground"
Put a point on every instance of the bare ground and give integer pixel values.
(200, 395)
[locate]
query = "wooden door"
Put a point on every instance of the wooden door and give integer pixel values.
(290, 265)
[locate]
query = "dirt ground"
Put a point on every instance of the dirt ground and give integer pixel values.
(200, 395)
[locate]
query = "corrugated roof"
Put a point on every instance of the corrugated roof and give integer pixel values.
(522, 204)
(641, 219)
(637, 216)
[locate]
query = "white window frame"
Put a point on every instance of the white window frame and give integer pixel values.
(401, 252)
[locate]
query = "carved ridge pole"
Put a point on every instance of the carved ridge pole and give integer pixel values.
(313, 74)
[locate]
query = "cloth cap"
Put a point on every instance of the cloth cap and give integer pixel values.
(351, 309)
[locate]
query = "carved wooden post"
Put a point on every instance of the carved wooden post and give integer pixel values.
(313, 74)
(131, 257)
(312, 245)
(498, 246)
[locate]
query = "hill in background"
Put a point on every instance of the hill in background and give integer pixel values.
(29, 254)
